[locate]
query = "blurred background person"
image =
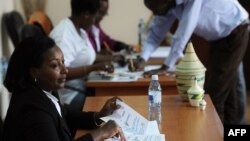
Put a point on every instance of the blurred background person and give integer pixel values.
(99, 39)
(71, 36)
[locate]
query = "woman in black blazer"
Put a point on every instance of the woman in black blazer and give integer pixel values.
(36, 71)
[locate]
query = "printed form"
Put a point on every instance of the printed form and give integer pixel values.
(134, 125)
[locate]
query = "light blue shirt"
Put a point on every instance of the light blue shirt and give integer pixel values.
(210, 19)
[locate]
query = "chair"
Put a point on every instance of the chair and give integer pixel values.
(13, 22)
(29, 30)
(41, 19)
(1, 128)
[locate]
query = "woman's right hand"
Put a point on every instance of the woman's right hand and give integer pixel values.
(108, 130)
(136, 64)
(108, 67)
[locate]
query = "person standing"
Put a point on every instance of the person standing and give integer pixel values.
(223, 24)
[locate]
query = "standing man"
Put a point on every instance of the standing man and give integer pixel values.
(224, 24)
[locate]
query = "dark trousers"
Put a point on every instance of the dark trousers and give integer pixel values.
(225, 57)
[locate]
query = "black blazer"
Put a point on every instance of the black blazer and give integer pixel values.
(33, 117)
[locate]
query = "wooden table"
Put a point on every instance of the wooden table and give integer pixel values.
(139, 87)
(180, 121)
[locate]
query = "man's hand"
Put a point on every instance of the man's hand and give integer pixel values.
(161, 71)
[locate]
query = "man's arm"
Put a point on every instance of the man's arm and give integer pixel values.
(187, 24)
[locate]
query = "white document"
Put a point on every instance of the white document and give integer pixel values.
(161, 52)
(160, 137)
(113, 77)
(134, 125)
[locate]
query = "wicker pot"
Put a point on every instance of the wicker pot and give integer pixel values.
(189, 69)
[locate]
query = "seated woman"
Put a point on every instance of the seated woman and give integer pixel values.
(36, 71)
(70, 35)
(99, 39)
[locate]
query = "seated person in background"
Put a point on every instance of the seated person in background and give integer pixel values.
(99, 39)
(36, 71)
(70, 35)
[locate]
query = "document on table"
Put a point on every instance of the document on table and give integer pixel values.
(159, 137)
(114, 77)
(161, 52)
(121, 74)
(134, 125)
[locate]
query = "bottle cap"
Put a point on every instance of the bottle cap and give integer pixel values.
(154, 77)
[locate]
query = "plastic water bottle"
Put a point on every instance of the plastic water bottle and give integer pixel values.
(154, 99)
(3, 68)
(141, 32)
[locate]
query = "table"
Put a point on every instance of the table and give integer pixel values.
(180, 121)
(139, 87)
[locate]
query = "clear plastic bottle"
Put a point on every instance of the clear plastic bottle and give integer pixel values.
(3, 68)
(141, 32)
(154, 99)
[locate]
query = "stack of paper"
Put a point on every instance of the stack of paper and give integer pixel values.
(134, 125)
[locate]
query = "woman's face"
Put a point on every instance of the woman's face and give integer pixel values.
(52, 73)
(102, 11)
(87, 20)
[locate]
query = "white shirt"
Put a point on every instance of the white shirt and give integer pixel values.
(210, 19)
(96, 33)
(77, 51)
(55, 102)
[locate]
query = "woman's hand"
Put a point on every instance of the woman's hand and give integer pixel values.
(120, 59)
(108, 130)
(109, 107)
(108, 67)
(136, 64)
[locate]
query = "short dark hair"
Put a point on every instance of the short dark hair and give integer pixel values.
(79, 6)
(29, 54)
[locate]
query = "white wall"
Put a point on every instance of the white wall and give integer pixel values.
(123, 18)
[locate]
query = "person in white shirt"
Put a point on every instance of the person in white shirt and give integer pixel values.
(71, 36)
(223, 23)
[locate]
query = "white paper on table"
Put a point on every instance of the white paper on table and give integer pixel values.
(151, 67)
(160, 137)
(114, 77)
(131, 121)
(161, 52)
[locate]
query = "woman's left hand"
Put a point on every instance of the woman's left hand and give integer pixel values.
(109, 107)
(108, 67)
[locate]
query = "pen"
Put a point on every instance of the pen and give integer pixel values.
(132, 64)
(106, 46)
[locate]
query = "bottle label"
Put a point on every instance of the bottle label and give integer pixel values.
(156, 96)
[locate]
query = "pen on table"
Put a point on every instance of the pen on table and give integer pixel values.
(132, 64)
(106, 46)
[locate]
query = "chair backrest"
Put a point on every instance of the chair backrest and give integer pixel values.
(40, 18)
(29, 30)
(13, 22)
(1, 128)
